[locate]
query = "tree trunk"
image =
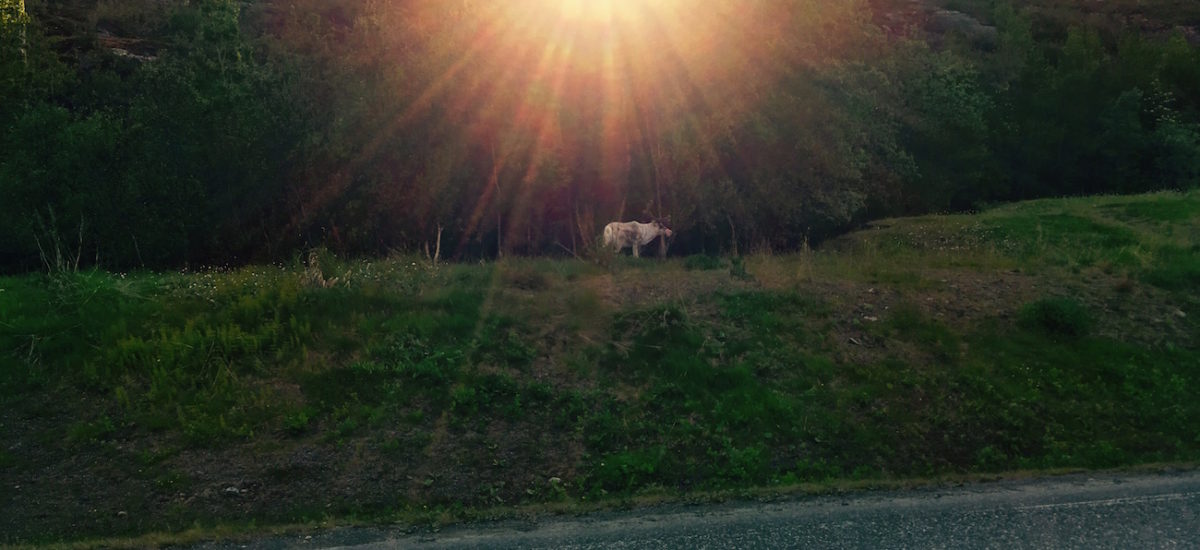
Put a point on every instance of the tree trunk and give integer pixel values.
(571, 230)
(495, 177)
(585, 223)
(733, 243)
(437, 249)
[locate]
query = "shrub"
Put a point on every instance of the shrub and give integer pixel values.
(737, 270)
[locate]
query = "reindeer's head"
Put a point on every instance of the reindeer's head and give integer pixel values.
(663, 226)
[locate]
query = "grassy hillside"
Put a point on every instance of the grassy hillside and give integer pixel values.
(1048, 334)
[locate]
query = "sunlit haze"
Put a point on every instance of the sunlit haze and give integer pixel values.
(615, 71)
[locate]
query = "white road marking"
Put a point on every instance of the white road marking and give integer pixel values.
(1111, 501)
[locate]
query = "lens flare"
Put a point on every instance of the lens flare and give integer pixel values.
(596, 101)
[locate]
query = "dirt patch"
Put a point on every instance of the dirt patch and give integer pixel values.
(1123, 309)
(633, 288)
(959, 299)
(605, 287)
(1129, 310)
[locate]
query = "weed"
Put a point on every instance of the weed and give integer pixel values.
(737, 269)
(320, 268)
(298, 422)
(415, 358)
(626, 470)
(464, 400)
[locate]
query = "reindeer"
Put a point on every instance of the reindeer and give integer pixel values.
(635, 234)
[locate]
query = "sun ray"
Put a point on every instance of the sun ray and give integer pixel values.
(589, 85)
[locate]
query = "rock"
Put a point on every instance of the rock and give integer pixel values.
(231, 491)
(555, 481)
(122, 514)
(870, 318)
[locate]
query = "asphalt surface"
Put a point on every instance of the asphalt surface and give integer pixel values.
(1078, 511)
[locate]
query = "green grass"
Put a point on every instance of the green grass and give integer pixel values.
(1151, 237)
(922, 347)
(1056, 318)
(702, 262)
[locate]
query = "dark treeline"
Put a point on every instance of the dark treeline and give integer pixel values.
(142, 133)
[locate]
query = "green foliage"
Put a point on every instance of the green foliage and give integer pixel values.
(702, 262)
(1032, 234)
(169, 162)
(1081, 116)
(912, 325)
(93, 430)
(708, 417)
(629, 470)
(841, 364)
(528, 279)
(226, 136)
(1176, 268)
(1056, 318)
(1155, 210)
(737, 269)
(414, 358)
(298, 422)
(946, 130)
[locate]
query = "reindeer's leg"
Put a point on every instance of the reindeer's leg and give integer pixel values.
(635, 250)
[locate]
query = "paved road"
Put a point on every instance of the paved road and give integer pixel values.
(1109, 511)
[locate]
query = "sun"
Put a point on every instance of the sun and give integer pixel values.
(603, 11)
(587, 10)
(578, 88)
(612, 12)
